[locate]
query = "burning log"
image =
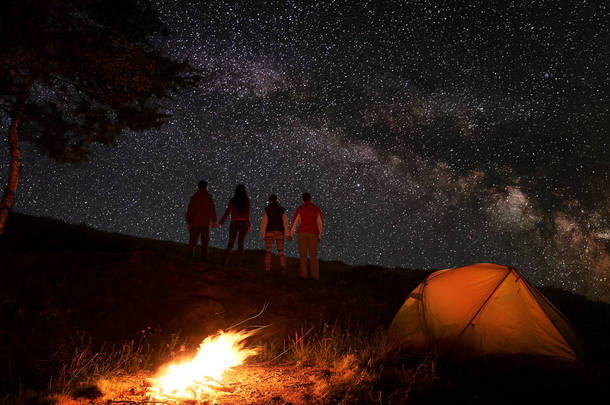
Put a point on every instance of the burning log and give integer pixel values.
(200, 378)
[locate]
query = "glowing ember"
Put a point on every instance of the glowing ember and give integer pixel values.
(201, 377)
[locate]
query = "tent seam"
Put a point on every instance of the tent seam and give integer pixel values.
(480, 309)
(580, 341)
(423, 315)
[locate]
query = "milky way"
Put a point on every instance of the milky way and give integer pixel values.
(430, 136)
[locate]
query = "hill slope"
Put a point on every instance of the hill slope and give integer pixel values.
(69, 289)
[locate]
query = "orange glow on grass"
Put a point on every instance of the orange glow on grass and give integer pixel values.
(201, 377)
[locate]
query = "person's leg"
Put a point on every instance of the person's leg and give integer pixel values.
(232, 234)
(193, 236)
(307, 241)
(243, 230)
(205, 241)
(302, 243)
(313, 257)
(279, 241)
(268, 248)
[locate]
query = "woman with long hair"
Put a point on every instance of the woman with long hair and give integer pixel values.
(239, 209)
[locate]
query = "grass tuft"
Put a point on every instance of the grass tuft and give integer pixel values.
(85, 366)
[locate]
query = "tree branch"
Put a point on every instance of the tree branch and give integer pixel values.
(77, 87)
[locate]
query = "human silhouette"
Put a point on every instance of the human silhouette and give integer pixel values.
(274, 226)
(239, 210)
(309, 234)
(200, 213)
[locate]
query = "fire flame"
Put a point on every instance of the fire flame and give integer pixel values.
(201, 377)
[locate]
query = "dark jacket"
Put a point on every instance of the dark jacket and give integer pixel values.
(201, 210)
(275, 212)
(274, 219)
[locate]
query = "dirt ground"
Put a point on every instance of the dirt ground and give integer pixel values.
(250, 384)
(93, 295)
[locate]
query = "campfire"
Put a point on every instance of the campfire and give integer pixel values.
(200, 378)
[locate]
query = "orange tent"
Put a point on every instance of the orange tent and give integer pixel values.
(483, 309)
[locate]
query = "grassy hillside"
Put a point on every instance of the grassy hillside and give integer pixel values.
(78, 304)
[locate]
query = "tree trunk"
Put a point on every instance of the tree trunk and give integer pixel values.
(13, 173)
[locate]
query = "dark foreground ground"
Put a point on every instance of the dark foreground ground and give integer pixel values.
(82, 309)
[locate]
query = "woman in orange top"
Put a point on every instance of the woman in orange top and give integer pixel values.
(239, 209)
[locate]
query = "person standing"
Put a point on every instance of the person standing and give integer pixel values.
(239, 210)
(309, 218)
(274, 226)
(200, 213)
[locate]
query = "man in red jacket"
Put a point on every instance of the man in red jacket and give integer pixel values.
(309, 234)
(200, 213)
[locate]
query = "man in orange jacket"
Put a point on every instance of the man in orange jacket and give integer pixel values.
(200, 213)
(309, 232)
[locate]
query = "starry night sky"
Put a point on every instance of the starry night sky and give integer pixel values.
(430, 136)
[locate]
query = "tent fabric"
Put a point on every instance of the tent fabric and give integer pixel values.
(483, 309)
